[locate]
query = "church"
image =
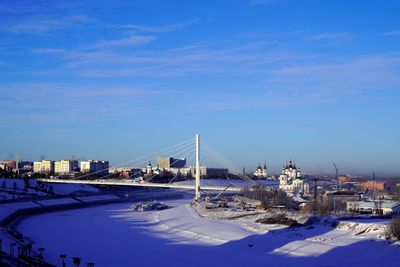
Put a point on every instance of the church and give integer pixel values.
(291, 180)
(261, 171)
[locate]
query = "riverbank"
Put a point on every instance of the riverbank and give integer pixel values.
(15, 211)
(114, 236)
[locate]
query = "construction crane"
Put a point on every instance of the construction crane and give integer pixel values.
(337, 176)
(337, 171)
(220, 193)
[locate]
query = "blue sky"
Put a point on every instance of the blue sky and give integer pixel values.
(260, 80)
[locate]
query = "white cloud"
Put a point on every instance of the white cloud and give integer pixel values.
(21, 7)
(35, 101)
(286, 74)
(370, 72)
(133, 40)
(42, 25)
(262, 2)
(157, 29)
(337, 36)
(392, 33)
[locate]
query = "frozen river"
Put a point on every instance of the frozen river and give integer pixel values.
(111, 235)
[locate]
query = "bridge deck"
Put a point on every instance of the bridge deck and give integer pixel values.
(131, 183)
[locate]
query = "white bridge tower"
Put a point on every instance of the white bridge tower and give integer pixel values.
(197, 186)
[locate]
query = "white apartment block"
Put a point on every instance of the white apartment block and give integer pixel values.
(65, 166)
(37, 167)
(98, 167)
(44, 166)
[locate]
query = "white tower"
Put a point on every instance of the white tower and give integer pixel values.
(197, 186)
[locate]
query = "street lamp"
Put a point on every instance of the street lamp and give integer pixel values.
(29, 247)
(41, 252)
(62, 256)
(12, 246)
(77, 261)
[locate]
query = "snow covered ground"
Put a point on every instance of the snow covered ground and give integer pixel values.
(15, 188)
(111, 235)
(64, 189)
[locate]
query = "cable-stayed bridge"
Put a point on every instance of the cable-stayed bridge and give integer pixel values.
(189, 149)
(131, 183)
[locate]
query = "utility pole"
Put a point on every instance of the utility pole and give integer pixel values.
(315, 188)
(197, 188)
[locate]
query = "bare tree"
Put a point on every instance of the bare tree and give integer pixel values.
(394, 228)
(320, 207)
(268, 198)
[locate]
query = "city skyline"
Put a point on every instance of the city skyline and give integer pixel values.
(261, 81)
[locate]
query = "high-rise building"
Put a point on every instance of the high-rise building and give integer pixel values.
(37, 167)
(65, 166)
(44, 166)
(98, 167)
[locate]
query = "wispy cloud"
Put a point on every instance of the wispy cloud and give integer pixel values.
(21, 7)
(205, 58)
(305, 84)
(285, 73)
(290, 80)
(41, 25)
(392, 33)
(67, 102)
(157, 29)
(133, 40)
(370, 72)
(262, 2)
(326, 36)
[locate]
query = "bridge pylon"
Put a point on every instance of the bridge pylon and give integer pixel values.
(197, 184)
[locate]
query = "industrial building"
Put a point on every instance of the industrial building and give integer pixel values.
(373, 186)
(379, 207)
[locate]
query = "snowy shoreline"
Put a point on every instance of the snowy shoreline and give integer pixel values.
(112, 236)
